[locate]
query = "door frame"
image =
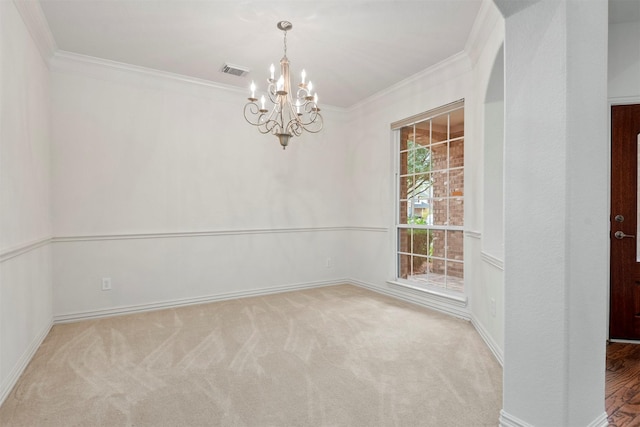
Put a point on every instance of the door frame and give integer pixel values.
(627, 100)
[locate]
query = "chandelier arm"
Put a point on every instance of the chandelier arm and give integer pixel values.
(315, 125)
(310, 113)
(275, 119)
(251, 109)
(302, 93)
(273, 96)
(294, 128)
(263, 130)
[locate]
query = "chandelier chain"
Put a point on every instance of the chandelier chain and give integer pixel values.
(285, 44)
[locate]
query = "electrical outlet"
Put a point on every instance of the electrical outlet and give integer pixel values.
(106, 283)
(493, 307)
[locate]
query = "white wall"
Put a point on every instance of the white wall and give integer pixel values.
(370, 163)
(25, 230)
(214, 207)
(624, 60)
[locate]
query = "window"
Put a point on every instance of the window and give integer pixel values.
(430, 199)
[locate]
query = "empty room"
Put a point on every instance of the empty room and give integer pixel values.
(354, 213)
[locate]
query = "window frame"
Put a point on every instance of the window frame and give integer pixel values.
(445, 228)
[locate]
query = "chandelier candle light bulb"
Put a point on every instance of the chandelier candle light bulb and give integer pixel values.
(281, 119)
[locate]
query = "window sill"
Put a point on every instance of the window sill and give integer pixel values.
(454, 298)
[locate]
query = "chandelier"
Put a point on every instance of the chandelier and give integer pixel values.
(284, 117)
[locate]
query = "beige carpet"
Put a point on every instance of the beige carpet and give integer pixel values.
(333, 356)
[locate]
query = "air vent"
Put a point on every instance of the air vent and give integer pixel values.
(234, 70)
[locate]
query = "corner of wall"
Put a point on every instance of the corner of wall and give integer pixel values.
(35, 21)
(486, 21)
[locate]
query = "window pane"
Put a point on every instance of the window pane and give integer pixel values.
(456, 182)
(404, 169)
(455, 276)
(438, 268)
(421, 242)
(456, 124)
(420, 266)
(406, 183)
(419, 160)
(438, 243)
(404, 240)
(439, 157)
(439, 128)
(404, 266)
(456, 153)
(456, 211)
(406, 134)
(422, 131)
(422, 186)
(405, 209)
(440, 184)
(455, 241)
(455, 269)
(440, 211)
(427, 213)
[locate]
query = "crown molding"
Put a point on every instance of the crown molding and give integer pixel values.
(103, 68)
(444, 70)
(64, 60)
(484, 24)
(86, 65)
(35, 21)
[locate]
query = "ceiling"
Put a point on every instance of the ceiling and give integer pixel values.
(621, 11)
(350, 49)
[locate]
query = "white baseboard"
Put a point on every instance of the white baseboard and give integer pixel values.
(507, 420)
(488, 339)
(11, 380)
(601, 421)
(416, 297)
(139, 308)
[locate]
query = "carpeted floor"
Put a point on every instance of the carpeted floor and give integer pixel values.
(332, 356)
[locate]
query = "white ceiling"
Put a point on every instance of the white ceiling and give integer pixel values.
(351, 49)
(621, 11)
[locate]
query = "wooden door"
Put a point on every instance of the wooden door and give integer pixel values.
(624, 313)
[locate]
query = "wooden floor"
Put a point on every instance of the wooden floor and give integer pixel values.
(623, 385)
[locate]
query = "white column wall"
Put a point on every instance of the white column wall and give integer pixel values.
(485, 255)
(556, 219)
(25, 230)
